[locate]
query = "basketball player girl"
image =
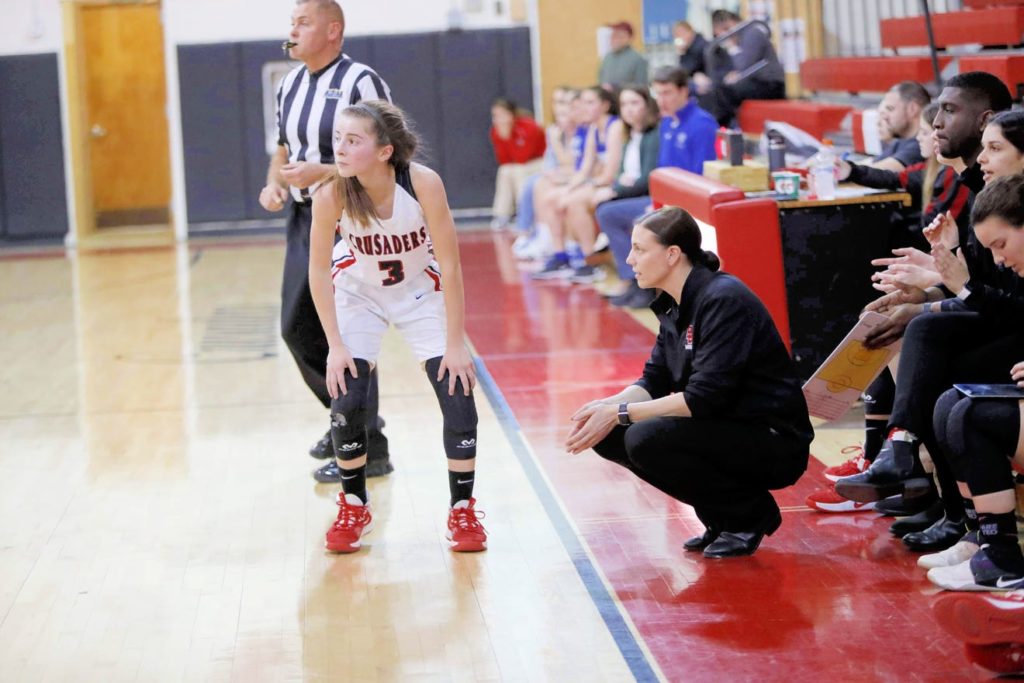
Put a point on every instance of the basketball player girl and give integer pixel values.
(396, 264)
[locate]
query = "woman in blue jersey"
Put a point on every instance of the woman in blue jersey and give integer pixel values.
(602, 156)
(397, 263)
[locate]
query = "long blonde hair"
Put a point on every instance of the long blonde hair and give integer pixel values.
(391, 127)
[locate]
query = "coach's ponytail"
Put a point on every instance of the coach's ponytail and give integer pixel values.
(391, 128)
(673, 226)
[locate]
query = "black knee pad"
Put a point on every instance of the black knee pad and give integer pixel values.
(348, 414)
(989, 435)
(459, 413)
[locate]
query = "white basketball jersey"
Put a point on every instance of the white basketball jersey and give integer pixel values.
(387, 252)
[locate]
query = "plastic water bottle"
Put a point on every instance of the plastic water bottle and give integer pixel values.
(823, 173)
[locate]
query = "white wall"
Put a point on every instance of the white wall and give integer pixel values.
(214, 21)
(30, 26)
(34, 26)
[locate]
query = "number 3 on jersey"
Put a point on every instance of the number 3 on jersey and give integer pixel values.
(395, 272)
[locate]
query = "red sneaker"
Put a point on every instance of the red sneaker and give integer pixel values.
(827, 500)
(465, 532)
(982, 619)
(1003, 658)
(855, 465)
(354, 520)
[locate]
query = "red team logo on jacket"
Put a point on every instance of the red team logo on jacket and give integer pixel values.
(689, 338)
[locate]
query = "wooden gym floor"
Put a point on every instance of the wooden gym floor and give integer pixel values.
(158, 521)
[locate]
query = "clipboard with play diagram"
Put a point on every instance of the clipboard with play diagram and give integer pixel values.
(848, 371)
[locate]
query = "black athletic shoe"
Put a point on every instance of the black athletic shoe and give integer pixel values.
(323, 448)
(378, 467)
(898, 506)
(897, 469)
(330, 473)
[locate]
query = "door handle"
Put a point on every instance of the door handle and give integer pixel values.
(98, 131)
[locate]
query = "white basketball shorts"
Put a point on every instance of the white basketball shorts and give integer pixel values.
(415, 308)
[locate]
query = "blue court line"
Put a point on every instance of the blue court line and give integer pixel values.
(606, 605)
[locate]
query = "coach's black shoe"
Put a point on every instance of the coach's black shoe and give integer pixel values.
(323, 448)
(703, 541)
(897, 469)
(919, 522)
(740, 543)
(945, 533)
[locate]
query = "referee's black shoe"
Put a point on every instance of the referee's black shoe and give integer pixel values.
(324, 449)
(330, 473)
(897, 469)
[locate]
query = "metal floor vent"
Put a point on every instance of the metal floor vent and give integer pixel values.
(240, 333)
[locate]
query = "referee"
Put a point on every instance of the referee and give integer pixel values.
(307, 100)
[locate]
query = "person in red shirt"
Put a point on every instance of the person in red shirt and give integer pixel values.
(519, 145)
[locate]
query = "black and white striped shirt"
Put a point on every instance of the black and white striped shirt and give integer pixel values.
(307, 103)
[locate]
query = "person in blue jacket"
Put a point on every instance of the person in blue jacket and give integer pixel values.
(687, 140)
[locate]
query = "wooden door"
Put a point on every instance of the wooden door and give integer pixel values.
(126, 113)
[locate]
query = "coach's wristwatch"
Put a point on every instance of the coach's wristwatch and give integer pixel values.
(624, 415)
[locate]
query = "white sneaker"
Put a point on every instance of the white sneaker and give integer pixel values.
(954, 555)
(955, 578)
(601, 242)
(538, 246)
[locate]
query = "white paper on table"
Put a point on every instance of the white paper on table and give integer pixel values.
(848, 371)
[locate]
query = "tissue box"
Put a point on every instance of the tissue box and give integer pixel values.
(752, 176)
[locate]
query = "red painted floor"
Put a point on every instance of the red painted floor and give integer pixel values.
(827, 598)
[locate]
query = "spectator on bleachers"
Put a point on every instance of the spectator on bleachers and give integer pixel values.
(900, 113)
(519, 145)
(755, 72)
(939, 350)
(639, 156)
(690, 47)
(603, 135)
(560, 160)
(687, 135)
(622, 65)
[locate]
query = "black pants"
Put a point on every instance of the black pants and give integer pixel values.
(723, 468)
(939, 350)
(300, 325)
(978, 436)
(724, 99)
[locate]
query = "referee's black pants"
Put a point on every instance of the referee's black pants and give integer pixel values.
(301, 330)
(939, 350)
(723, 468)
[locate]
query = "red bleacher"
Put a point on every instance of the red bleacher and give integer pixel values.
(747, 230)
(866, 74)
(983, 4)
(817, 118)
(992, 26)
(1009, 68)
(695, 193)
